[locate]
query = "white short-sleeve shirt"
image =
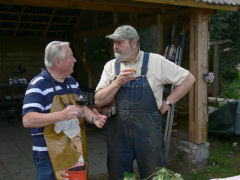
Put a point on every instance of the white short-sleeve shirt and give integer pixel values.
(160, 71)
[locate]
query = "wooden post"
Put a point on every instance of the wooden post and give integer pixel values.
(80, 53)
(115, 19)
(216, 71)
(159, 35)
(198, 116)
(216, 65)
(3, 60)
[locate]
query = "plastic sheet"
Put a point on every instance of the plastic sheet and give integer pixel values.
(225, 120)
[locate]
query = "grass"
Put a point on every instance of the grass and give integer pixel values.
(224, 161)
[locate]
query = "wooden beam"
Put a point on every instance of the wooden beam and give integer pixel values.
(19, 20)
(37, 30)
(49, 22)
(109, 29)
(113, 6)
(191, 3)
(220, 42)
(198, 116)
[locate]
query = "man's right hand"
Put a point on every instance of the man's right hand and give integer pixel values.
(125, 76)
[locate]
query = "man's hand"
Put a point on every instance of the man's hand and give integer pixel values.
(164, 107)
(99, 119)
(125, 76)
(109, 109)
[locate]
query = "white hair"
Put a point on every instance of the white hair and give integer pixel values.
(54, 50)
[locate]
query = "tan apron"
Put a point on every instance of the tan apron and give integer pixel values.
(63, 151)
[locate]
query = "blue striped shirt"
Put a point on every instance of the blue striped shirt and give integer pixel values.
(38, 98)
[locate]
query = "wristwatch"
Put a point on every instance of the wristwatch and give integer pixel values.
(168, 103)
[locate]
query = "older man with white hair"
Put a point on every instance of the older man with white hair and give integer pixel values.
(50, 109)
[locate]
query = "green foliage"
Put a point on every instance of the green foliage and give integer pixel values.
(232, 90)
(226, 25)
(221, 104)
(223, 161)
(165, 174)
(161, 174)
(97, 48)
(129, 176)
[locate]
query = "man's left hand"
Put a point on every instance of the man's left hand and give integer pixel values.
(99, 119)
(164, 107)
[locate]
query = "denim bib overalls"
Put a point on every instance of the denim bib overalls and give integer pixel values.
(135, 132)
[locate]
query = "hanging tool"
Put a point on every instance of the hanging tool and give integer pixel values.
(173, 53)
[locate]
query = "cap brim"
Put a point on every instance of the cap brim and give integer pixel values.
(116, 37)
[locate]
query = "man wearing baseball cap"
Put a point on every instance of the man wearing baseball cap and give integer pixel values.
(133, 83)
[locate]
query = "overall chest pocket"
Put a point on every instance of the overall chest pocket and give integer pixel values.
(135, 91)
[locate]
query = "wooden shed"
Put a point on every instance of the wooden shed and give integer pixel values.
(27, 25)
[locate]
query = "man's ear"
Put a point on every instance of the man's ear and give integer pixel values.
(134, 43)
(57, 62)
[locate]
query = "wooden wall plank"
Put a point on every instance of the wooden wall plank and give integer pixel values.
(29, 54)
(2, 60)
(159, 35)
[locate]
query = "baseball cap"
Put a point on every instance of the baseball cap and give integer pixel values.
(124, 32)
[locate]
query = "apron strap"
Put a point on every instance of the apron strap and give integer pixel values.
(54, 88)
(53, 84)
(69, 85)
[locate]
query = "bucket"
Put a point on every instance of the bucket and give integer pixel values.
(76, 173)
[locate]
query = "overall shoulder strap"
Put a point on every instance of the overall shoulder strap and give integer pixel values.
(117, 67)
(145, 63)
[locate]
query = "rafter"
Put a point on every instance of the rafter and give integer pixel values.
(116, 6)
(19, 20)
(191, 3)
(49, 22)
(79, 20)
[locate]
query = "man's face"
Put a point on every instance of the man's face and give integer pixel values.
(67, 63)
(123, 50)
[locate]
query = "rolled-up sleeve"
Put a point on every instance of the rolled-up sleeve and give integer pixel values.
(172, 73)
(107, 76)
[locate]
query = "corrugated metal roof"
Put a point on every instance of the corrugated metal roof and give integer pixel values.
(221, 2)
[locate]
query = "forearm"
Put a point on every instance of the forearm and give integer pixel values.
(182, 89)
(106, 95)
(94, 117)
(89, 114)
(38, 120)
